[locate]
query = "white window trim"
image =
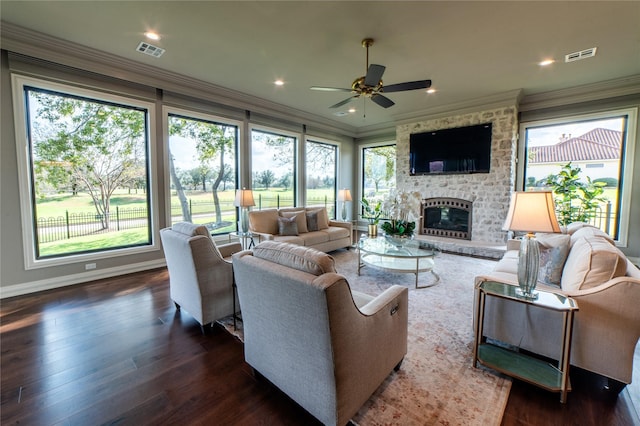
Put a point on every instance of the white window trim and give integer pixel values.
(628, 166)
(24, 175)
(187, 113)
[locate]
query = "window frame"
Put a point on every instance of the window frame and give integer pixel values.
(25, 177)
(336, 146)
(188, 113)
(361, 154)
(626, 162)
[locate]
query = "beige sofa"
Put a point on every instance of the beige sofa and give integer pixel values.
(327, 347)
(606, 286)
(309, 227)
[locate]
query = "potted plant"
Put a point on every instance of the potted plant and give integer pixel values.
(401, 207)
(372, 213)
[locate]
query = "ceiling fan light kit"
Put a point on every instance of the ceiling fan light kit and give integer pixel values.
(371, 85)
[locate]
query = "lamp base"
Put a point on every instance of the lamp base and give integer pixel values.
(528, 264)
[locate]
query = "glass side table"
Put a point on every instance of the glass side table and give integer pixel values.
(246, 239)
(519, 365)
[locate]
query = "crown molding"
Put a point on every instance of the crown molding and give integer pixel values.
(27, 42)
(585, 93)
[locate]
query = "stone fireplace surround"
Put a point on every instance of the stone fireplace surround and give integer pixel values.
(490, 192)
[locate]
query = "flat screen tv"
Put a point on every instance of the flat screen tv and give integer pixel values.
(450, 151)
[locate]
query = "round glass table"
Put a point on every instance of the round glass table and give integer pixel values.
(412, 256)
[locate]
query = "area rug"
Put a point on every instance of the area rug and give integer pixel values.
(437, 383)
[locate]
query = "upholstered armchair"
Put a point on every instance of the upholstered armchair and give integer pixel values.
(327, 347)
(200, 278)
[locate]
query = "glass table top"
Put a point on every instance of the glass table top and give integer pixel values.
(545, 299)
(409, 249)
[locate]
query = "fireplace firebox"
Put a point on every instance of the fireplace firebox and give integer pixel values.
(446, 217)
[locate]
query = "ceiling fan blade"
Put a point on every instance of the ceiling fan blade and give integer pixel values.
(409, 85)
(383, 101)
(330, 89)
(374, 74)
(346, 101)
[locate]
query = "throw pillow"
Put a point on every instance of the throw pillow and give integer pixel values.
(323, 218)
(287, 226)
(312, 221)
(300, 217)
(554, 249)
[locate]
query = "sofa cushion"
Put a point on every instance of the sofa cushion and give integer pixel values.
(287, 226)
(554, 249)
(591, 262)
(315, 238)
(312, 221)
(323, 217)
(304, 259)
(336, 233)
(264, 221)
(300, 216)
(588, 232)
(574, 226)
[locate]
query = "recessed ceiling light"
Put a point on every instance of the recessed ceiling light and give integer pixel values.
(352, 110)
(279, 82)
(152, 35)
(431, 91)
(546, 62)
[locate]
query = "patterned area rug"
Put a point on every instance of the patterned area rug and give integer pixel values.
(437, 384)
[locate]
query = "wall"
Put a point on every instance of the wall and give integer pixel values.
(489, 192)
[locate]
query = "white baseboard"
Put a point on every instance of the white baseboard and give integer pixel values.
(67, 280)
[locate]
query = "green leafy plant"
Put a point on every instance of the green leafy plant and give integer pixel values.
(372, 212)
(398, 227)
(576, 200)
(401, 207)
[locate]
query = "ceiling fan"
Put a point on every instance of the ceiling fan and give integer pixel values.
(371, 86)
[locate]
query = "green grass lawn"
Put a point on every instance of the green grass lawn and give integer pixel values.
(96, 242)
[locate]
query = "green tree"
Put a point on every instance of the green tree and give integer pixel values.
(266, 178)
(88, 146)
(576, 200)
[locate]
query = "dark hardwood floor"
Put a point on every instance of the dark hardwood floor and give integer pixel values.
(116, 351)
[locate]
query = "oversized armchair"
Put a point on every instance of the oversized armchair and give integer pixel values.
(200, 278)
(327, 347)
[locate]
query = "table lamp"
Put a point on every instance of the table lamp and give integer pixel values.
(244, 200)
(530, 212)
(344, 195)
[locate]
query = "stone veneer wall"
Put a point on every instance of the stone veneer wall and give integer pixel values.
(489, 192)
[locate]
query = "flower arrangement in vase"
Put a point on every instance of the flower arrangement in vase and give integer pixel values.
(401, 208)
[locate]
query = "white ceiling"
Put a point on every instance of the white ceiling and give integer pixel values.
(470, 50)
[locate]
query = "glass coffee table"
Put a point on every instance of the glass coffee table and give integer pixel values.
(412, 256)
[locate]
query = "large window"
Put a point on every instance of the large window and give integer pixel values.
(273, 163)
(379, 171)
(589, 153)
(321, 162)
(202, 168)
(85, 175)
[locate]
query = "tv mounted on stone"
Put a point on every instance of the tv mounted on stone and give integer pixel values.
(458, 150)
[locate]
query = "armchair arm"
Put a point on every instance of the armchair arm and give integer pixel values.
(228, 249)
(339, 224)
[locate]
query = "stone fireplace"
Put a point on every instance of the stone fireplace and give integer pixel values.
(447, 217)
(488, 193)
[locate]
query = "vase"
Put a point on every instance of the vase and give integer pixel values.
(398, 240)
(373, 230)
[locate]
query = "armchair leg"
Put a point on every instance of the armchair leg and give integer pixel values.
(397, 367)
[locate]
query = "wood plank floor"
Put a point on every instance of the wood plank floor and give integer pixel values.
(116, 351)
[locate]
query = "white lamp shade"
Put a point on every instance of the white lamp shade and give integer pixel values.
(532, 211)
(344, 195)
(244, 198)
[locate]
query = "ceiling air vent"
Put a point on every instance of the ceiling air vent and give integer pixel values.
(149, 49)
(583, 54)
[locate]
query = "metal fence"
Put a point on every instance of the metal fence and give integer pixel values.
(73, 225)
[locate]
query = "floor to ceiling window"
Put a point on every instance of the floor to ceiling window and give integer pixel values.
(85, 171)
(378, 171)
(321, 169)
(273, 164)
(202, 169)
(587, 155)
